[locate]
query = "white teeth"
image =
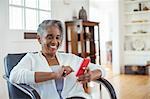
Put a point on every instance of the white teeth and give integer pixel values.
(53, 46)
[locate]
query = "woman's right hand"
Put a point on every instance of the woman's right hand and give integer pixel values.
(59, 74)
(67, 70)
(63, 72)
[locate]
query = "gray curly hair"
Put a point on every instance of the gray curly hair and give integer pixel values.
(48, 23)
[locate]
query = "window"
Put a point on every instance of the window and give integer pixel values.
(27, 14)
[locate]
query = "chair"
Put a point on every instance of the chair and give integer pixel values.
(23, 91)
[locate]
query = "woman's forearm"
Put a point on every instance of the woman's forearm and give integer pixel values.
(44, 76)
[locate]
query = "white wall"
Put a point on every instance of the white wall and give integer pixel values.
(121, 34)
(11, 41)
(117, 39)
(3, 28)
(65, 12)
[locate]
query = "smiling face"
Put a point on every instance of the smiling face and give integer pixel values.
(50, 40)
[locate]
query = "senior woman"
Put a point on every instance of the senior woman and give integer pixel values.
(44, 70)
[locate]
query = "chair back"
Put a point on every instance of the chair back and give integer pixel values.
(10, 61)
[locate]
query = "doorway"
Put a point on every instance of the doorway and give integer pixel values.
(106, 12)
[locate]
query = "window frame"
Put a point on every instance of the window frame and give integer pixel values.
(24, 7)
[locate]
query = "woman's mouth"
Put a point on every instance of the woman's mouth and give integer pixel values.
(53, 48)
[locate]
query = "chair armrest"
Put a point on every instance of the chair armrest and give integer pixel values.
(25, 88)
(108, 86)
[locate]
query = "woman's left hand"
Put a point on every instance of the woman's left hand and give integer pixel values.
(86, 77)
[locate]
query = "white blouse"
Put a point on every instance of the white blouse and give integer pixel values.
(24, 72)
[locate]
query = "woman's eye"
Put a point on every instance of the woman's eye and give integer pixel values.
(49, 37)
(58, 37)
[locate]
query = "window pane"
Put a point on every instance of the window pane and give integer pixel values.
(31, 19)
(31, 3)
(16, 2)
(28, 20)
(44, 15)
(44, 4)
(15, 17)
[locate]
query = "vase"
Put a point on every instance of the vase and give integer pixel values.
(83, 14)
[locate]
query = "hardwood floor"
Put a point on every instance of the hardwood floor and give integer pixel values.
(131, 86)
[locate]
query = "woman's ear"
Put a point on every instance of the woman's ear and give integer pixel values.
(39, 38)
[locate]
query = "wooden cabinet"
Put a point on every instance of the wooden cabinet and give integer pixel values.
(136, 69)
(83, 39)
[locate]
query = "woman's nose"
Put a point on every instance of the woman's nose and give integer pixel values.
(54, 41)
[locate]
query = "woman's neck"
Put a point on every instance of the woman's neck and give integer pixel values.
(51, 59)
(49, 56)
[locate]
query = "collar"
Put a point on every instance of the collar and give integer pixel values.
(57, 56)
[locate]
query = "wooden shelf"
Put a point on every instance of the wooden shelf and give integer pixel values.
(83, 43)
(138, 23)
(138, 34)
(137, 12)
(85, 23)
(137, 52)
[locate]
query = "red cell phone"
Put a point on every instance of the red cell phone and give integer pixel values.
(83, 67)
